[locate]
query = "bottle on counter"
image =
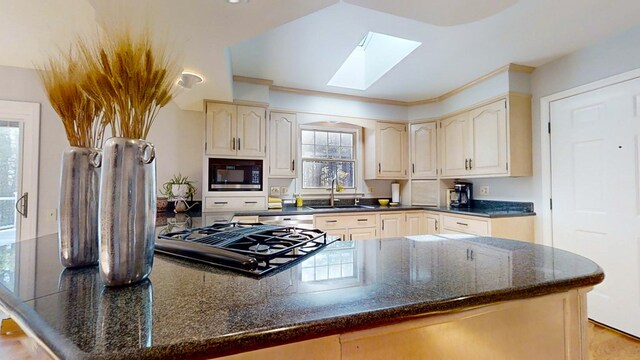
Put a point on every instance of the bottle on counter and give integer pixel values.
(298, 200)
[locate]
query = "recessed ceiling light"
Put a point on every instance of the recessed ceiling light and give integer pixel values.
(373, 57)
(188, 79)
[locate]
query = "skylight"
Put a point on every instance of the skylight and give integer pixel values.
(373, 57)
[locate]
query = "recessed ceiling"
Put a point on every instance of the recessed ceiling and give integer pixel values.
(305, 53)
(302, 43)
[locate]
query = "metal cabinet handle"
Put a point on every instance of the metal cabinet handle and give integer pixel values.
(331, 221)
(436, 225)
(238, 143)
(471, 253)
(233, 143)
(220, 202)
(23, 202)
(293, 165)
(250, 202)
(466, 164)
(413, 168)
(350, 236)
(363, 219)
(470, 164)
(463, 224)
(382, 225)
(379, 168)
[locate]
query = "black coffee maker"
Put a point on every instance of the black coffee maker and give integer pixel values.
(462, 195)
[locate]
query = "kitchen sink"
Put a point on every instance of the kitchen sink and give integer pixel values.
(338, 207)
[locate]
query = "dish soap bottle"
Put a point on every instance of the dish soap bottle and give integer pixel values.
(298, 200)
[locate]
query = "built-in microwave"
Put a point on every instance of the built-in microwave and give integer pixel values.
(235, 175)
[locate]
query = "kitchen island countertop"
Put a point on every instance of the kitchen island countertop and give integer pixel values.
(191, 310)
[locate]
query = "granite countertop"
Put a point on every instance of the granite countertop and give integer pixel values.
(191, 310)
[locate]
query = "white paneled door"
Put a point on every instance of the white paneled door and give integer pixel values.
(595, 156)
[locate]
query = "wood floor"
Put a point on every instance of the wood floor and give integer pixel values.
(604, 344)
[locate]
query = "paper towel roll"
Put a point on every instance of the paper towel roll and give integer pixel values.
(395, 192)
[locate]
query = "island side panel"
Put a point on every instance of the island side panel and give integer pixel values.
(547, 327)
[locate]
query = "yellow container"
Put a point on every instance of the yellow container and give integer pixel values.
(299, 201)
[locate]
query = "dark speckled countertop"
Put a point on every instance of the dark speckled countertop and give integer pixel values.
(190, 310)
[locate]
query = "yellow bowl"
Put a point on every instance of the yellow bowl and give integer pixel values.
(383, 202)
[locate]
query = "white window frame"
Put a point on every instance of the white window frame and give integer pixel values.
(357, 168)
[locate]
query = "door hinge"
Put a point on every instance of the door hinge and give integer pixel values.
(551, 204)
(549, 127)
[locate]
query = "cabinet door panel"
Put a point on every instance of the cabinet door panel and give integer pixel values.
(282, 145)
(251, 131)
(432, 224)
(452, 137)
(391, 150)
(488, 131)
(362, 234)
(414, 224)
(221, 129)
(423, 150)
(337, 233)
(391, 225)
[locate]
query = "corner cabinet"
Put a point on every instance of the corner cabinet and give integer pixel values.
(423, 150)
(282, 145)
(386, 151)
(491, 140)
(234, 130)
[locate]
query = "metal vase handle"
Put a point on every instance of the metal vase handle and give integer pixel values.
(95, 158)
(148, 153)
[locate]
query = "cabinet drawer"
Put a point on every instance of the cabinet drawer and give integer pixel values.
(466, 225)
(358, 221)
(331, 222)
(236, 203)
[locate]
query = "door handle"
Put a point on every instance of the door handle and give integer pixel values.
(238, 143)
(466, 164)
(23, 202)
(379, 168)
(413, 168)
(293, 165)
(233, 143)
(470, 163)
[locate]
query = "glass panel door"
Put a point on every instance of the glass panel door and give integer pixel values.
(10, 159)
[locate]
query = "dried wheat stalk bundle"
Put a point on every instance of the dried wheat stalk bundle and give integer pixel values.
(81, 117)
(130, 79)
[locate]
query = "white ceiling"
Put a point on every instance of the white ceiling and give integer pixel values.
(301, 43)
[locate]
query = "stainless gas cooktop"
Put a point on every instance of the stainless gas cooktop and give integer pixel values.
(254, 249)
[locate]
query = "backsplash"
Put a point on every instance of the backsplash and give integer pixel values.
(496, 205)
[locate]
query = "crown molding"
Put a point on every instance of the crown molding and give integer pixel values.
(509, 67)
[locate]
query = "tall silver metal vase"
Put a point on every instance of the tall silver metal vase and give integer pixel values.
(127, 211)
(78, 207)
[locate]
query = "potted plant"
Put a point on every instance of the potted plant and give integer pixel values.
(178, 188)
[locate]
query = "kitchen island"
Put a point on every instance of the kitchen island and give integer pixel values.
(448, 296)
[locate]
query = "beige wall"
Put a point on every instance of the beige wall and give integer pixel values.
(177, 134)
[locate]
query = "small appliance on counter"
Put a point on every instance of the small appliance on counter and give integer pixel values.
(462, 195)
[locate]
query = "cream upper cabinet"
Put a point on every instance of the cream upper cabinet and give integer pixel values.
(386, 151)
(490, 140)
(453, 143)
(424, 147)
(282, 145)
(235, 130)
(251, 135)
(221, 129)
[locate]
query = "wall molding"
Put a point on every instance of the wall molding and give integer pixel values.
(265, 82)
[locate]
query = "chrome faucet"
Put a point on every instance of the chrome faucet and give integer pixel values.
(332, 198)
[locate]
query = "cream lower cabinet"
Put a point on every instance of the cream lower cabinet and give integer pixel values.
(348, 226)
(391, 225)
(414, 223)
(431, 223)
(220, 203)
(515, 228)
